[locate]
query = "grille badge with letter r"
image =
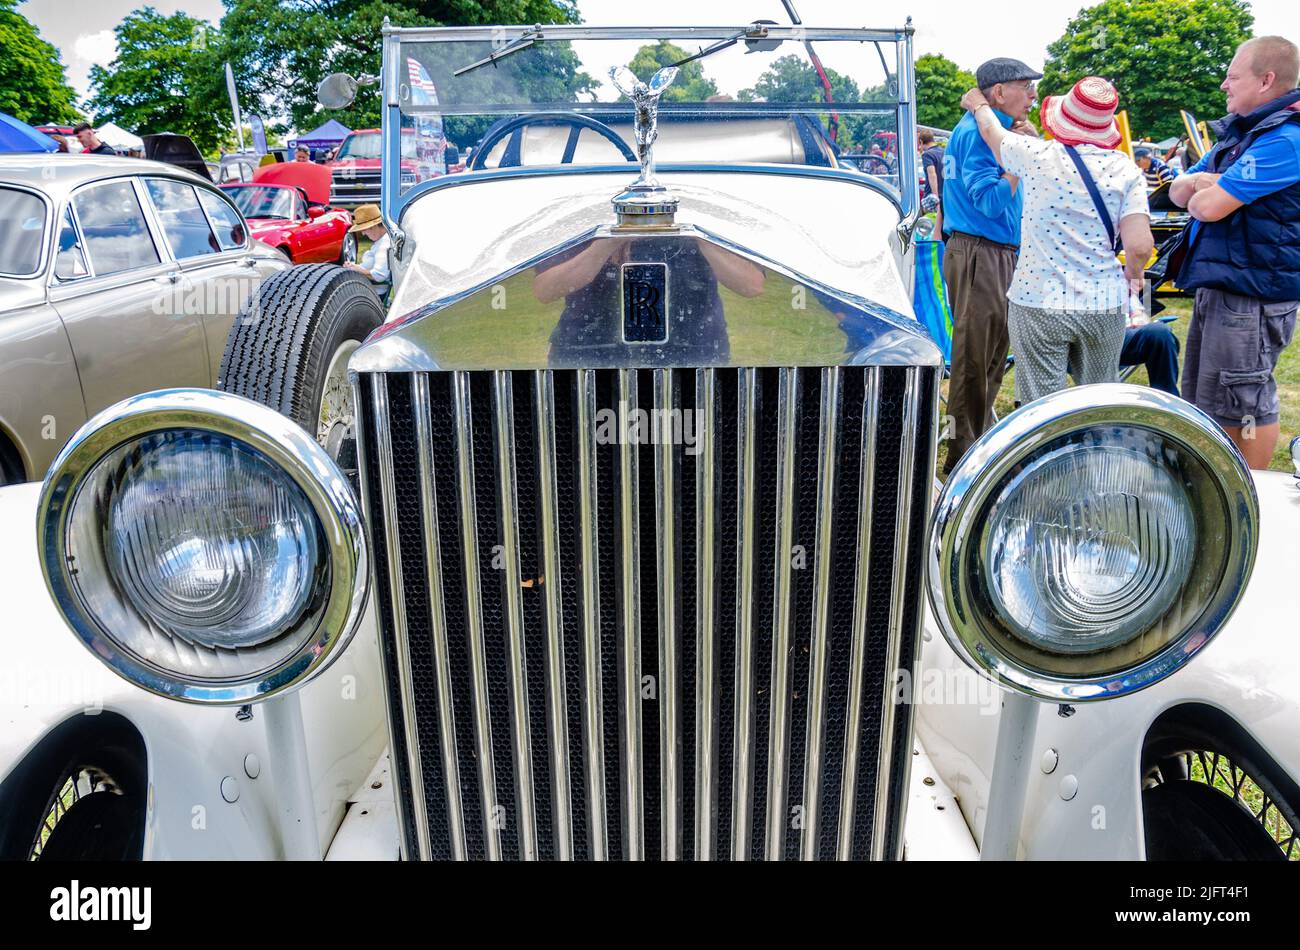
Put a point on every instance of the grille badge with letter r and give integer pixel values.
(645, 303)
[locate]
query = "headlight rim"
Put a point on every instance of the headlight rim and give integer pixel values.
(284, 444)
(1025, 432)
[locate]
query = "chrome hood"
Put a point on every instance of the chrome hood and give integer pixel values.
(759, 270)
(678, 297)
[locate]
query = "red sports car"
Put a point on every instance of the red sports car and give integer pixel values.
(286, 206)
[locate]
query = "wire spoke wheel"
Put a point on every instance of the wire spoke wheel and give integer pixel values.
(337, 414)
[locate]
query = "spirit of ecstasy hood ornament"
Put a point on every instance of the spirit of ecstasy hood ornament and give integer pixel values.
(645, 201)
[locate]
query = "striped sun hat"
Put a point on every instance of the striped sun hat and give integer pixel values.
(1085, 115)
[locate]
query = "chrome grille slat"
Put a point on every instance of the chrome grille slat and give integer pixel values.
(593, 728)
(629, 697)
(779, 712)
(398, 607)
(474, 615)
(852, 734)
(670, 782)
(706, 677)
(911, 406)
(552, 583)
(829, 441)
(742, 794)
(547, 659)
(508, 506)
(437, 619)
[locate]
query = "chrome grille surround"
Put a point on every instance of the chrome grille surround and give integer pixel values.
(639, 651)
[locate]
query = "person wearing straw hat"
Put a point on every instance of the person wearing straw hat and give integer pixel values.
(1069, 296)
(374, 263)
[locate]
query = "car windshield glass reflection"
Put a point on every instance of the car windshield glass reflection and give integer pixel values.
(22, 232)
(264, 202)
(367, 147)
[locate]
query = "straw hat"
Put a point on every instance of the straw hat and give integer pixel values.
(365, 218)
(1085, 115)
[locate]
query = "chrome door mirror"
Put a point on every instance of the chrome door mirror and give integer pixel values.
(337, 91)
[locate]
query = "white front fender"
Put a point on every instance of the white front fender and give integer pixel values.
(48, 677)
(1089, 805)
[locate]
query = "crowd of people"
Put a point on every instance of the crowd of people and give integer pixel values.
(1034, 226)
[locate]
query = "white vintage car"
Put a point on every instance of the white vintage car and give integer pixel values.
(619, 538)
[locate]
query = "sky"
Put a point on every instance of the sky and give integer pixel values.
(966, 31)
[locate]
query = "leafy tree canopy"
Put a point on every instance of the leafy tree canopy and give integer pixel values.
(939, 86)
(1162, 55)
(690, 85)
(33, 87)
(165, 78)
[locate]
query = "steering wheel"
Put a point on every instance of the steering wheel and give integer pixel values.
(513, 128)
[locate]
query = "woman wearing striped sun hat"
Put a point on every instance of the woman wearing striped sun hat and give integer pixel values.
(1069, 298)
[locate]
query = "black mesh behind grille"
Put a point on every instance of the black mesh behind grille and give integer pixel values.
(810, 445)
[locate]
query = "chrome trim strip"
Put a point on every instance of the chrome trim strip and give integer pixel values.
(666, 477)
(819, 648)
(474, 614)
(403, 819)
(742, 769)
(503, 412)
(593, 726)
(778, 733)
(437, 618)
(629, 695)
(706, 675)
(397, 603)
(557, 726)
(853, 718)
(897, 593)
(568, 32)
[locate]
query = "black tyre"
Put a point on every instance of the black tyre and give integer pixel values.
(289, 350)
(1191, 821)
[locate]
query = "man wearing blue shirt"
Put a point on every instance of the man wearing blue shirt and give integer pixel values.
(981, 222)
(1242, 251)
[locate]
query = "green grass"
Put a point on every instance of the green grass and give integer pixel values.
(1288, 386)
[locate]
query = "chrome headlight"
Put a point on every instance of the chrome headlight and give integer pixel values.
(1092, 542)
(203, 546)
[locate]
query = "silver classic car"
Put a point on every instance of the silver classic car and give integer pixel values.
(117, 276)
(615, 539)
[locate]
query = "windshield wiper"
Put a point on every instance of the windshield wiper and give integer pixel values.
(523, 41)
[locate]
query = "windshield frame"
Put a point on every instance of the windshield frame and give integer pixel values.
(47, 226)
(230, 189)
(393, 201)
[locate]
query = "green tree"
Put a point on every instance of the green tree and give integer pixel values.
(939, 86)
(793, 78)
(690, 84)
(1162, 55)
(165, 78)
(33, 88)
(281, 49)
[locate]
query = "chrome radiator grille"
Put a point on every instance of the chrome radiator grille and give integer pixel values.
(613, 633)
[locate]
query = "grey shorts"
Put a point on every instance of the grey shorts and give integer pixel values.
(1232, 348)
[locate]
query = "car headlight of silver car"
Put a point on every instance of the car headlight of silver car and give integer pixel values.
(203, 546)
(1092, 542)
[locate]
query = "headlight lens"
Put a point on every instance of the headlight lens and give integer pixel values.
(216, 561)
(1085, 550)
(213, 544)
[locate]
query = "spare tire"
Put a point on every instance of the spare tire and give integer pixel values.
(290, 347)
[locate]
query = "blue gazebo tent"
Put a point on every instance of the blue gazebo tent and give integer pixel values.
(326, 136)
(18, 136)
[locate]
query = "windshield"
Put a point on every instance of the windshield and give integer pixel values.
(259, 201)
(824, 98)
(367, 145)
(22, 232)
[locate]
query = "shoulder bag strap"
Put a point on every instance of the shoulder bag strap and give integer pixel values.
(1094, 194)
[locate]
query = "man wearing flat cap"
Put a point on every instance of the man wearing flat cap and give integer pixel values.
(982, 206)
